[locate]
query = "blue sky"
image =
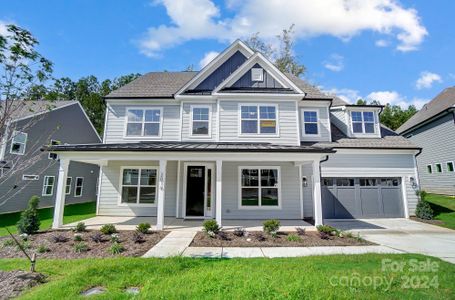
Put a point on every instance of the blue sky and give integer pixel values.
(399, 52)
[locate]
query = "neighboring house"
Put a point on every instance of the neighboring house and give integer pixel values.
(242, 140)
(433, 129)
(26, 170)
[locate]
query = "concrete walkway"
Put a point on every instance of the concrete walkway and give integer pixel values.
(172, 245)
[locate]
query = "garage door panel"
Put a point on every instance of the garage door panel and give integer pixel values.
(369, 202)
(345, 207)
(391, 208)
(328, 202)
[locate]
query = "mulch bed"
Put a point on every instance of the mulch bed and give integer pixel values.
(260, 239)
(65, 250)
(433, 222)
(12, 283)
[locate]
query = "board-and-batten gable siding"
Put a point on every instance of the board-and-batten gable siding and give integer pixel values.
(230, 122)
(110, 194)
(338, 118)
(246, 82)
(324, 124)
(290, 193)
(437, 140)
(116, 122)
(187, 126)
(222, 72)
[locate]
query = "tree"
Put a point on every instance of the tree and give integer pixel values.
(29, 222)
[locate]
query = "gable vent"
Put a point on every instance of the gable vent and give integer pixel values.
(257, 74)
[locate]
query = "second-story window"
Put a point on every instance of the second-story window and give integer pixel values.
(362, 122)
(258, 119)
(18, 143)
(143, 122)
(200, 118)
(310, 122)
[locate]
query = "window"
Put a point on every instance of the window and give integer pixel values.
(200, 118)
(79, 186)
(48, 185)
(30, 177)
(368, 182)
(345, 182)
(259, 187)
(327, 181)
(362, 122)
(310, 122)
(438, 168)
(450, 167)
(390, 181)
(258, 119)
(139, 185)
(429, 169)
(18, 143)
(143, 122)
(68, 185)
(53, 156)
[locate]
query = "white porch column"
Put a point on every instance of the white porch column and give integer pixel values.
(317, 193)
(60, 194)
(161, 193)
(219, 172)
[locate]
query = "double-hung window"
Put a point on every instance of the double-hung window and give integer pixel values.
(258, 120)
(68, 185)
(363, 122)
(200, 121)
(48, 185)
(310, 122)
(139, 185)
(78, 187)
(143, 122)
(18, 143)
(259, 187)
(450, 166)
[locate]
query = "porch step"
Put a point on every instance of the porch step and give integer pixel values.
(172, 245)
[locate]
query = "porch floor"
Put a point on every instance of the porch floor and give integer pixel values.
(170, 223)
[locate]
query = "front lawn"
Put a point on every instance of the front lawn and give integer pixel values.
(73, 213)
(321, 277)
(444, 209)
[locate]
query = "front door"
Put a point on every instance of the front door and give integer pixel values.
(195, 191)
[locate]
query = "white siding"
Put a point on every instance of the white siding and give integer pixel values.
(324, 125)
(308, 203)
(338, 118)
(187, 126)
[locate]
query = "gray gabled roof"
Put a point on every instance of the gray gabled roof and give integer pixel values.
(311, 92)
(442, 102)
(25, 108)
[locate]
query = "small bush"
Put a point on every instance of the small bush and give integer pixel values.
(271, 226)
(293, 238)
(116, 248)
(138, 238)
(25, 245)
(42, 249)
(348, 234)
(29, 222)
(80, 227)
(59, 238)
(239, 231)
(260, 237)
(77, 237)
(211, 227)
(300, 230)
(424, 210)
(9, 243)
(143, 228)
(97, 237)
(223, 235)
(324, 235)
(115, 238)
(327, 229)
(80, 247)
(422, 194)
(108, 229)
(359, 239)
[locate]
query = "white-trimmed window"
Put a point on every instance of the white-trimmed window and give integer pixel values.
(143, 122)
(48, 185)
(430, 169)
(200, 120)
(18, 143)
(310, 120)
(51, 155)
(69, 180)
(139, 185)
(30, 177)
(258, 119)
(363, 122)
(438, 168)
(450, 166)
(259, 187)
(78, 186)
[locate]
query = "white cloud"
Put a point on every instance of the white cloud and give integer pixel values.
(394, 98)
(427, 79)
(208, 57)
(382, 43)
(201, 19)
(348, 95)
(335, 63)
(3, 30)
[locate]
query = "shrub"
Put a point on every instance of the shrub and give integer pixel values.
(424, 210)
(211, 227)
(97, 237)
(42, 249)
(223, 235)
(330, 230)
(293, 238)
(239, 231)
(271, 226)
(260, 237)
(9, 243)
(300, 230)
(80, 227)
(115, 238)
(324, 235)
(138, 238)
(80, 247)
(108, 229)
(143, 228)
(77, 237)
(116, 248)
(29, 222)
(59, 238)
(25, 245)
(422, 194)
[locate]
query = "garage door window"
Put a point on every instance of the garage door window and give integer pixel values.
(327, 182)
(345, 182)
(367, 182)
(390, 181)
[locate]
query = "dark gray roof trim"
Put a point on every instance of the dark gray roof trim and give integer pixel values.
(187, 147)
(259, 90)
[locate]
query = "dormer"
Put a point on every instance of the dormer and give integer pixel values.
(358, 121)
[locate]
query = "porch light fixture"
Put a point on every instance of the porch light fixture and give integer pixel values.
(413, 182)
(304, 181)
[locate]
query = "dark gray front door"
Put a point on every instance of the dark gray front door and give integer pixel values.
(195, 188)
(347, 198)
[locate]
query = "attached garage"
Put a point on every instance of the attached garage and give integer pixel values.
(348, 198)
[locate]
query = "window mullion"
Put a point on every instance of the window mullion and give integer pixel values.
(138, 186)
(259, 187)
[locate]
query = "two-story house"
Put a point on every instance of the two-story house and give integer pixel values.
(26, 171)
(433, 129)
(240, 140)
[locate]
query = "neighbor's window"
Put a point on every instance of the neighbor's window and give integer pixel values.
(139, 185)
(79, 186)
(48, 185)
(68, 185)
(258, 119)
(310, 122)
(51, 155)
(362, 122)
(18, 143)
(143, 122)
(429, 169)
(30, 177)
(259, 187)
(200, 121)
(438, 168)
(450, 166)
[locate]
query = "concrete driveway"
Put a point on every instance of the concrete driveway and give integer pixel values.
(405, 235)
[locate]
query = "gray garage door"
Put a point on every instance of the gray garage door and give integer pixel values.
(347, 198)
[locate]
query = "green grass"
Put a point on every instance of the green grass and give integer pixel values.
(286, 278)
(73, 213)
(444, 209)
